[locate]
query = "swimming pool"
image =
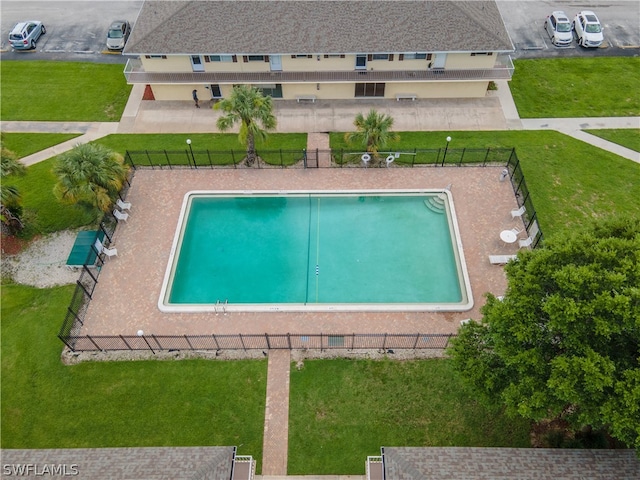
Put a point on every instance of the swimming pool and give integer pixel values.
(316, 251)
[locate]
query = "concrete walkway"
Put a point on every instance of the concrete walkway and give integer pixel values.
(276, 415)
(497, 111)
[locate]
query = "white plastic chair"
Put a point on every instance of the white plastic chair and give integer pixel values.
(120, 215)
(110, 252)
(526, 242)
(519, 212)
(123, 205)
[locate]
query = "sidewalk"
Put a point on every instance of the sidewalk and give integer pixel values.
(496, 111)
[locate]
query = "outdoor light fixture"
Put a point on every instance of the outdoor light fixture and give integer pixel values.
(191, 150)
(444, 157)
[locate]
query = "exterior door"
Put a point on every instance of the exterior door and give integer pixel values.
(196, 63)
(439, 60)
(361, 62)
(275, 63)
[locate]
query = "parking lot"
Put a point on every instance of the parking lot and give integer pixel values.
(76, 30)
(525, 23)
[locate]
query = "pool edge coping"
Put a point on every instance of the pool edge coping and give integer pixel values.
(466, 304)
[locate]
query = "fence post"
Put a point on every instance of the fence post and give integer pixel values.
(415, 344)
(83, 289)
(150, 162)
(91, 340)
(209, 157)
(216, 341)
(304, 157)
(188, 342)
(127, 156)
(168, 160)
(266, 337)
(233, 159)
(125, 342)
(242, 342)
(289, 340)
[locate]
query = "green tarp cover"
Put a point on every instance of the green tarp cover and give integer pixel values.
(82, 253)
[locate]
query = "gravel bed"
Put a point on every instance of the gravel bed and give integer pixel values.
(43, 263)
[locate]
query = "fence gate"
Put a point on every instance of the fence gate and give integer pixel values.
(311, 158)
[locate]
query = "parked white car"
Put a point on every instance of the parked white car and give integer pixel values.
(588, 29)
(558, 27)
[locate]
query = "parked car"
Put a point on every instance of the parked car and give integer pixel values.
(588, 29)
(25, 34)
(118, 34)
(558, 27)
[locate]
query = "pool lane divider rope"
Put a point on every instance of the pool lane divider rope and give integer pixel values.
(317, 270)
(318, 253)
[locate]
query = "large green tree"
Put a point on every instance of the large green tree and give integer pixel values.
(89, 175)
(253, 110)
(10, 198)
(373, 132)
(564, 341)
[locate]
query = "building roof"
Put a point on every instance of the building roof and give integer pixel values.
(327, 27)
(471, 463)
(150, 463)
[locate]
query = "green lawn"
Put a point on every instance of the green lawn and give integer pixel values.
(218, 142)
(46, 404)
(341, 411)
(627, 137)
(62, 91)
(577, 87)
(570, 181)
(23, 144)
(42, 212)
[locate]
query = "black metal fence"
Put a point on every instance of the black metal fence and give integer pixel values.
(70, 330)
(208, 159)
(267, 341)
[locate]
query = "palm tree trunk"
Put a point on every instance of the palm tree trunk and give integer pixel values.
(251, 150)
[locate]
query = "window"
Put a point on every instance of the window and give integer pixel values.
(380, 56)
(164, 57)
(476, 54)
(415, 56)
(255, 58)
(370, 89)
(334, 56)
(302, 55)
(273, 90)
(219, 58)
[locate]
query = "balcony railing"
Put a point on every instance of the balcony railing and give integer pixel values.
(135, 73)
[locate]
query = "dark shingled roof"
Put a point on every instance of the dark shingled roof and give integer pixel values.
(150, 463)
(471, 463)
(301, 27)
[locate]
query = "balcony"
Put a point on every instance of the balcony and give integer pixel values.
(134, 73)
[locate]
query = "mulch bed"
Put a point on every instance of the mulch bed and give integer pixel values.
(12, 245)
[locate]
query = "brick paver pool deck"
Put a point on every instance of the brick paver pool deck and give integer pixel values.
(126, 297)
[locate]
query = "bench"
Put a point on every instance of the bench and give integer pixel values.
(501, 259)
(406, 96)
(306, 98)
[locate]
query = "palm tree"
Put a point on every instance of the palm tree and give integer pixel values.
(89, 175)
(253, 110)
(10, 198)
(372, 132)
